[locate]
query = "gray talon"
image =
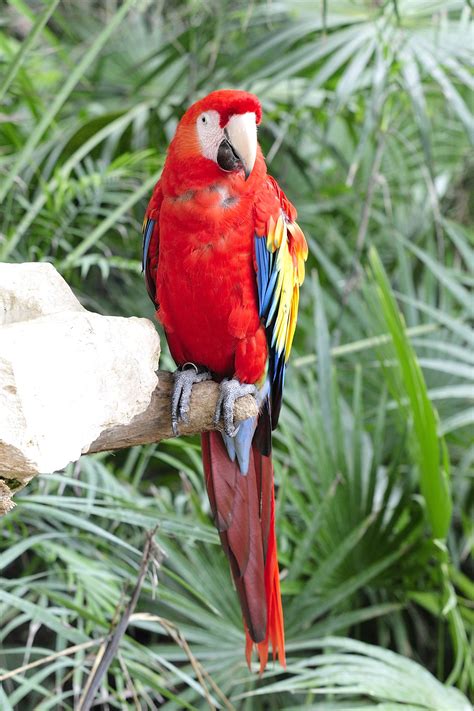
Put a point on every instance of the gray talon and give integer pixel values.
(229, 392)
(184, 379)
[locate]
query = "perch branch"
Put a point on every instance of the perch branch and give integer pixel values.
(154, 424)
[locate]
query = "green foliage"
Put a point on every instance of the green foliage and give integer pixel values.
(407, 383)
(368, 129)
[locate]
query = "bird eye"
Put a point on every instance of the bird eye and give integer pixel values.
(203, 118)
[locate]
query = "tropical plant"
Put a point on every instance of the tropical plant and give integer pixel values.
(368, 127)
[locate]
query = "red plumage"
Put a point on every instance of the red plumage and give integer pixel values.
(206, 287)
(200, 271)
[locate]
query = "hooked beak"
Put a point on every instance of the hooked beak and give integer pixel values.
(238, 150)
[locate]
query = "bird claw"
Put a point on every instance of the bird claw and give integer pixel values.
(184, 379)
(229, 392)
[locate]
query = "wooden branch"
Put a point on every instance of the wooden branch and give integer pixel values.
(154, 424)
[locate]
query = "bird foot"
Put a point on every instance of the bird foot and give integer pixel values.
(184, 379)
(229, 392)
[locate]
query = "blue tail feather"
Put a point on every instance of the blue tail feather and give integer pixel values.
(240, 445)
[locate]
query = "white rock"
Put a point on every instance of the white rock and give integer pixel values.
(31, 290)
(66, 374)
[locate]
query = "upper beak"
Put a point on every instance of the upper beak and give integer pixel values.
(241, 132)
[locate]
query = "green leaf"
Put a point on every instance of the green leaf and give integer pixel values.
(427, 446)
(354, 671)
(25, 47)
(76, 75)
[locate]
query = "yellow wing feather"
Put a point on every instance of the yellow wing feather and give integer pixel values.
(288, 239)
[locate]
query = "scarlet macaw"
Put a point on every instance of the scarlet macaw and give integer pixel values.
(223, 259)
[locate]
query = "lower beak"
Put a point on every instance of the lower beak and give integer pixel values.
(241, 137)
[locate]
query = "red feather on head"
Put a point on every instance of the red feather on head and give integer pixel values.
(227, 102)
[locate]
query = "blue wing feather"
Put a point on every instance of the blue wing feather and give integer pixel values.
(148, 228)
(267, 276)
(279, 257)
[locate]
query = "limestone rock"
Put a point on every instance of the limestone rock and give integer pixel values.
(66, 374)
(34, 289)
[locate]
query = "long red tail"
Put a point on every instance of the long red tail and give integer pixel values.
(243, 507)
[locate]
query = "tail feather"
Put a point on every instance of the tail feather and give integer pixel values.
(243, 508)
(275, 630)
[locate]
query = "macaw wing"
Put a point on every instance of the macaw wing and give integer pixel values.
(280, 254)
(151, 241)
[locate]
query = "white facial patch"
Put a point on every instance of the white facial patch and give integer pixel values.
(210, 133)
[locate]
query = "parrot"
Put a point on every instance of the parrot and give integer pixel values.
(223, 262)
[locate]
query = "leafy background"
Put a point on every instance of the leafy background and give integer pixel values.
(368, 127)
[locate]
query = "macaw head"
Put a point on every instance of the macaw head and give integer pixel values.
(218, 135)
